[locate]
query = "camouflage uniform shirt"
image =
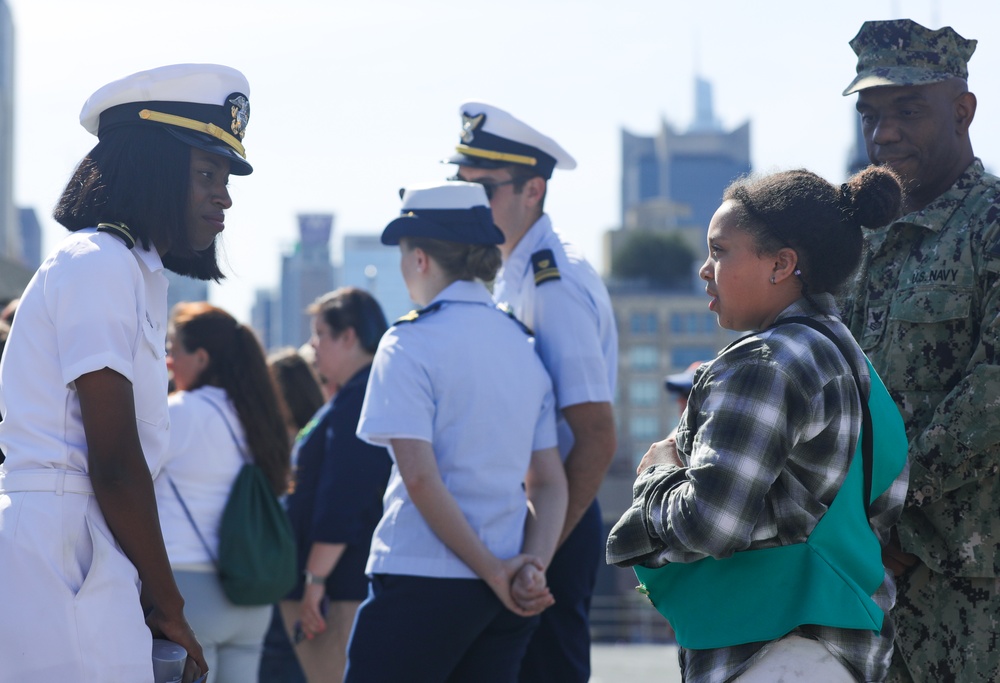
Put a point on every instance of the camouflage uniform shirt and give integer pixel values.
(927, 312)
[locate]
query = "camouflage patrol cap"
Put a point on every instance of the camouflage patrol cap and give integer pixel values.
(902, 52)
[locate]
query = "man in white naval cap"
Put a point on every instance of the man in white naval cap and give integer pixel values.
(553, 290)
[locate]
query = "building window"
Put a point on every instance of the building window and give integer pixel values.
(643, 322)
(693, 322)
(649, 177)
(643, 392)
(644, 358)
(644, 428)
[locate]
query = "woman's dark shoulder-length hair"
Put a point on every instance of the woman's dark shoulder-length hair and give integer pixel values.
(139, 176)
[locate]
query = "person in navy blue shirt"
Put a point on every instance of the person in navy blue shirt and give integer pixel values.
(339, 483)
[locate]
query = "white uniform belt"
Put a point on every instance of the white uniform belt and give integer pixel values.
(56, 481)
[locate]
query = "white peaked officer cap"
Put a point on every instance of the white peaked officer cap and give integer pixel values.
(492, 138)
(452, 211)
(203, 105)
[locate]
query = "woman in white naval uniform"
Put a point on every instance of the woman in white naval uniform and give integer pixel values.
(475, 502)
(83, 381)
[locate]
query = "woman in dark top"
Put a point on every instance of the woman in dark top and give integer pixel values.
(300, 388)
(339, 483)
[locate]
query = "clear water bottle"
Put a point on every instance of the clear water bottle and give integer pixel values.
(168, 661)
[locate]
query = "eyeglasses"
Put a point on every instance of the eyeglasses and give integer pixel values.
(489, 186)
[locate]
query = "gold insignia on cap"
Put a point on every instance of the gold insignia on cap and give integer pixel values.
(469, 125)
(240, 111)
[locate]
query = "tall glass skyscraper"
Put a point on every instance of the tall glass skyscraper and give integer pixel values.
(306, 274)
(10, 241)
(373, 266)
(689, 170)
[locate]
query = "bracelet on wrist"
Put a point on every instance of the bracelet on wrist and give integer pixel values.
(313, 580)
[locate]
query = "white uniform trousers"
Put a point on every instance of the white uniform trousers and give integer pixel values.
(69, 596)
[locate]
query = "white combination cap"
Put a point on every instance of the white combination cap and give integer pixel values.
(203, 105)
(492, 138)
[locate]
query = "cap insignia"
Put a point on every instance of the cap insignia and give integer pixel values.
(469, 125)
(240, 111)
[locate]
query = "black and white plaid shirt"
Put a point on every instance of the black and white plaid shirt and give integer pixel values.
(768, 436)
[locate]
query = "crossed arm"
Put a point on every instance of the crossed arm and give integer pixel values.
(546, 488)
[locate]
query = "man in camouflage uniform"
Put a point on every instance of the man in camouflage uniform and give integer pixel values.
(927, 312)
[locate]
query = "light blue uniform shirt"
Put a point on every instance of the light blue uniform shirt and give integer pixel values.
(571, 317)
(465, 378)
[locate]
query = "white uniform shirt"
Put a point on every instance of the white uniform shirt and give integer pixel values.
(203, 461)
(92, 304)
(466, 379)
(571, 317)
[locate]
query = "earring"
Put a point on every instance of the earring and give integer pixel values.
(798, 273)
(772, 280)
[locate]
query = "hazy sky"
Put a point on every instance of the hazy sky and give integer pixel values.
(352, 99)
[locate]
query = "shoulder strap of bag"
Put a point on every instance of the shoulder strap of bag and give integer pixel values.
(177, 493)
(193, 524)
(232, 432)
(866, 415)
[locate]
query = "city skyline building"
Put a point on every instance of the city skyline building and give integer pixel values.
(10, 241)
(306, 274)
(685, 172)
(373, 266)
(16, 267)
(264, 318)
(30, 231)
(183, 288)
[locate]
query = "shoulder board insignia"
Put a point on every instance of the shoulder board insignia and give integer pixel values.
(544, 265)
(415, 315)
(119, 230)
(509, 312)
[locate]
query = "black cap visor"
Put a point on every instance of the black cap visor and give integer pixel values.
(237, 164)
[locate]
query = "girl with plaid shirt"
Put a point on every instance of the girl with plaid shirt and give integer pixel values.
(767, 443)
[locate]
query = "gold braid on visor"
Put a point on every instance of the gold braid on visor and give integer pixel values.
(496, 156)
(191, 124)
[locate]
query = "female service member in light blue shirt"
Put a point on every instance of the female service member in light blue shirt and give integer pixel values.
(477, 495)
